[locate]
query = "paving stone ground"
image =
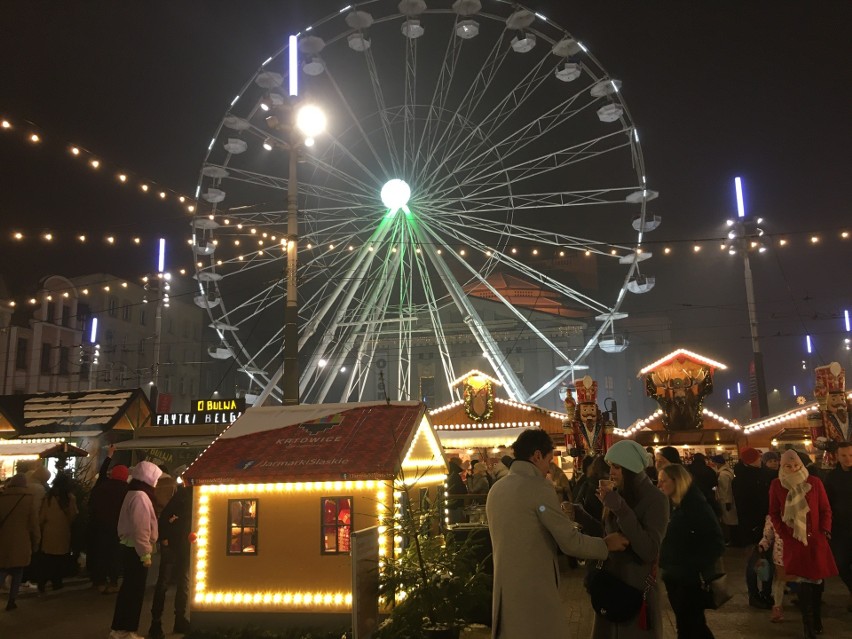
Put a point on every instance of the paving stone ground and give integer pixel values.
(79, 612)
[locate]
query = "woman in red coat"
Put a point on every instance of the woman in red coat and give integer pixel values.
(801, 515)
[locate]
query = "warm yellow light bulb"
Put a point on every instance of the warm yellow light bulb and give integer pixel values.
(34, 138)
(137, 240)
(190, 208)
(110, 239)
(19, 236)
(82, 238)
(48, 236)
(696, 248)
(162, 195)
(95, 163)
(144, 187)
(122, 177)
(181, 199)
(75, 150)
(7, 124)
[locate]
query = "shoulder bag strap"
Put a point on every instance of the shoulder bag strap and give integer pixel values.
(11, 511)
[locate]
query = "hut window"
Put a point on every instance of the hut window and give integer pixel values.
(242, 526)
(336, 517)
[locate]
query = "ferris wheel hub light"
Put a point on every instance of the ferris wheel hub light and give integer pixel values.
(395, 194)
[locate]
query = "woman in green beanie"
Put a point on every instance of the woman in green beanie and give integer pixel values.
(634, 507)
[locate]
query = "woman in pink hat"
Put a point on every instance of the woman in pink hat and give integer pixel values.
(801, 515)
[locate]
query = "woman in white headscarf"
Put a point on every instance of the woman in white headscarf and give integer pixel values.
(801, 515)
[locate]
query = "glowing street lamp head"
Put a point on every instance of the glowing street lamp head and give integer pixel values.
(395, 194)
(310, 120)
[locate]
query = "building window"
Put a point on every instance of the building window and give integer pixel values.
(84, 370)
(21, 354)
(126, 311)
(143, 317)
(45, 359)
(336, 525)
(66, 316)
(63, 360)
(242, 526)
(51, 313)
(112, 306)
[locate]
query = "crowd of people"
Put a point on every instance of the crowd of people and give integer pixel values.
(646, 518)
(131, 515)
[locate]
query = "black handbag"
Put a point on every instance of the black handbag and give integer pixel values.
(611, 598)
(715, 591)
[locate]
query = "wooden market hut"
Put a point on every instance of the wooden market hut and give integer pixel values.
(279, 494)
(89, 419)
(679, 382)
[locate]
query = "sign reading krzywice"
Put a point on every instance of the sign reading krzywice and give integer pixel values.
(205, 411)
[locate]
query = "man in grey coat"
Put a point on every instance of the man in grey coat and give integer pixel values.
(527, 526)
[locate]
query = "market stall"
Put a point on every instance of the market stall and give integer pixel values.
(279, 494)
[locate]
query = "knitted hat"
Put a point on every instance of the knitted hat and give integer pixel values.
(718, 459)
(480, 468)
(628, 454)
(769, 456)
(790, 456)
(749, 455)
(119, 472)
(670, 453)
(147, 472)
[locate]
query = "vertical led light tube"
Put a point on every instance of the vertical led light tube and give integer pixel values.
(93, 336)
(846, 319)
(293, 51)
(161, 258)
(740, 205)
(808, 344)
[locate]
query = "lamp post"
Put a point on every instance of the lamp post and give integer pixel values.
(745, 236)
(300, 125)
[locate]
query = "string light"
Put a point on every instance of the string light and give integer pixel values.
(79, 151)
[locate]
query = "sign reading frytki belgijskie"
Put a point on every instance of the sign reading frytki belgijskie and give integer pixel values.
(205, 411)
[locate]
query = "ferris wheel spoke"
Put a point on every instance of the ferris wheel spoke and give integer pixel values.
(468, 224)
(341, 298)
(371, 318)
(306, 188)
(432, 306)
(478, 328)
(502, 112)
(468, 103)
(544, 164)
(518, 266)
(537, 129)
(356, 122)
(532, 201)
(341, 175)
(410, 100)
(439, 100)
(379, 97)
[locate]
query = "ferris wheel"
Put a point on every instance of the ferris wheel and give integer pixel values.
(462, 140)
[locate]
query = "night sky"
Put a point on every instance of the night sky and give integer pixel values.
(760, 89)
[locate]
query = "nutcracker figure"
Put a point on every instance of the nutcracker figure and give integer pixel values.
(834, 427)
(586, 432)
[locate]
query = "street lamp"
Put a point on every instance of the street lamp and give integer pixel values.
(301, 125)
(745, 235)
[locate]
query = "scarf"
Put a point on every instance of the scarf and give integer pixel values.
(796, 507)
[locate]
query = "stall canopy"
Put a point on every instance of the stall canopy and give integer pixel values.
(83, 414)
(325, 442)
